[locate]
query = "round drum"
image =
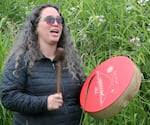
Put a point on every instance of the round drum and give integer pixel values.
(110, 87)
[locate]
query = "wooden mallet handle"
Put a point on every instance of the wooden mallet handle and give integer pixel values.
(59, 57)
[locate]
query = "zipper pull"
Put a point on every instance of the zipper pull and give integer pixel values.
(53, 65)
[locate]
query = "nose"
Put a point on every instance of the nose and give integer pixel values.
(55, 22)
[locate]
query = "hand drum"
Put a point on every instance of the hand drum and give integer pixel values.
(110, 87)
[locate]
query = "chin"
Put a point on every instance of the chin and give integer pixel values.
(54, 42)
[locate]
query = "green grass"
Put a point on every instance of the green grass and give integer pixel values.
(101, 29)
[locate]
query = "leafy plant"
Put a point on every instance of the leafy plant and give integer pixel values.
(101, 29)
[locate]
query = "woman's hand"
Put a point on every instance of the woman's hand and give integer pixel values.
(54, 101)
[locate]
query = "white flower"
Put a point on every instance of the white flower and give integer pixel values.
(135, 41)
(73, 8)
(101, 18)
(128, 8)
(142, 2)
(97, 19)
(148, 27)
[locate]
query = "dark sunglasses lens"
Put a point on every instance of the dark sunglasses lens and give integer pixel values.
(50, 19)
(59, 20)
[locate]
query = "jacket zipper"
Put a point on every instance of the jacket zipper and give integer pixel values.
(27, 123)
(53, 65)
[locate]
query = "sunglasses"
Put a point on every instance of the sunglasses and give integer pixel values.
(51, 20)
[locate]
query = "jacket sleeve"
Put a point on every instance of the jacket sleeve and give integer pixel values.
(12, 91)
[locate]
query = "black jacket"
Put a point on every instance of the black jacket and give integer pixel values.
(26, 94)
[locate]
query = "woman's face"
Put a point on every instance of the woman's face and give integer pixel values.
(50, 26)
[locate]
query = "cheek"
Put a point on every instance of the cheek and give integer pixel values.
(41, 29)
(38, 29)
(61, 30)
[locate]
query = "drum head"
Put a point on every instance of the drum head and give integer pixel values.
(106, 83)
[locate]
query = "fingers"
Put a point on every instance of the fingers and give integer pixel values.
(54, 101)
(57, 96)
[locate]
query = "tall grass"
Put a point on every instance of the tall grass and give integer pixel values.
(101, 29)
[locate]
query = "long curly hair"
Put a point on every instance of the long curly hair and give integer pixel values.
(26, 44)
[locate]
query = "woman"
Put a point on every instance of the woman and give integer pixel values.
(29, 82)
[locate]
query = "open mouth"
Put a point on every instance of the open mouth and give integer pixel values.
(54, 31)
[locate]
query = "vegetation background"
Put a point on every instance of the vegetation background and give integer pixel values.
(101, 29)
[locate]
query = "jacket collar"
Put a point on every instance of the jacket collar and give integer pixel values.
(40, 57)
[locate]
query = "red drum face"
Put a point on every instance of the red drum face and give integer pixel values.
(108, 87)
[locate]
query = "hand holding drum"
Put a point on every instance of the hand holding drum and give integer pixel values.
(110, 87)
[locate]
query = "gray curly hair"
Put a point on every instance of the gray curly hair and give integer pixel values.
(26, 44)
